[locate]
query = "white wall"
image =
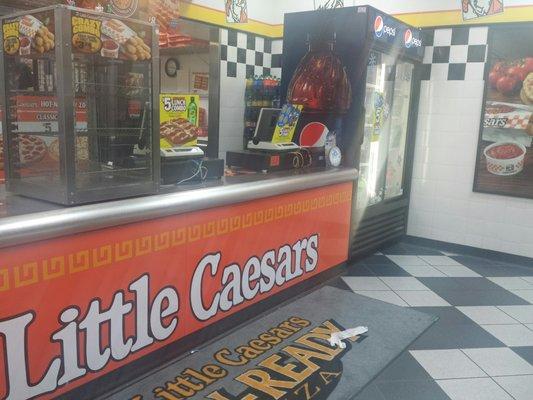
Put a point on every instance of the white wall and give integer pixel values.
(443, 204)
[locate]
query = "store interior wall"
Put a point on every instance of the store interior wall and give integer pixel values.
(443, 205)
(243, 55)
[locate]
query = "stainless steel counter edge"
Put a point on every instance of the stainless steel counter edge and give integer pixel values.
(52, 224)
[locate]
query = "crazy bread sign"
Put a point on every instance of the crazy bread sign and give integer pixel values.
(74, 309)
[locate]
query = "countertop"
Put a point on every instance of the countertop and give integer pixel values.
(25, 220)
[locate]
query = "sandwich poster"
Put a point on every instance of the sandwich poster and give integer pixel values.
(481, 8)
(505, 150)
(328, 4)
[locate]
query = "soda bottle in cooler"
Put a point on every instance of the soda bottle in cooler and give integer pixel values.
(320, 83)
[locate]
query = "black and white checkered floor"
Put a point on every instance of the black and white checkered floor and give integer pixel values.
(482, 346)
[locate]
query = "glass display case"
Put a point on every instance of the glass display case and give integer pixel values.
(387, 102)
(81, 91)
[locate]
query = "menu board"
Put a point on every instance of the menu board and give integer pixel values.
(29, 34)
(179, 119)
(505, 151)
(110, 37)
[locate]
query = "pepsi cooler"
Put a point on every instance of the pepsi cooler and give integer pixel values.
(355, 71)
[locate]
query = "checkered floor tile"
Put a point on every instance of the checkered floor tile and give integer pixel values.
(482, 345)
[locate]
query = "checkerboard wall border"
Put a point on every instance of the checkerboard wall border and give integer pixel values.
(243, 55)
(455, 54)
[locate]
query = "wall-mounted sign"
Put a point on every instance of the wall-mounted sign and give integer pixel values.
(505, 152)
(481, 8)
(328, 4)
(237, 11)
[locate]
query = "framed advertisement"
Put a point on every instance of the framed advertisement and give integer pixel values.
(504, 163)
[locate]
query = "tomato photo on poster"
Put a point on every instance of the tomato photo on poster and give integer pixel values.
(505, 153)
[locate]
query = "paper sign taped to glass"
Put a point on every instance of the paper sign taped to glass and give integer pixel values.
(179, 120)
(287, 122)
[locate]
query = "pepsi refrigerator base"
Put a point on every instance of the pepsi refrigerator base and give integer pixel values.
(355, 71)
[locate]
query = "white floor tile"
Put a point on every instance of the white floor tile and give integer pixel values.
(528, 279)
(422, 298)
(527, 295)
(512, 283)
(439, 260)
(378, 254)
(407, 260)
(511, 335)
(457, 271)
(365, 283)
(520, 387)
(488, 315)
(523, 314)
(447, 364)
(423, 271)
(388, 296)
(403, 283)
(530, 326)
(473, 389)
(499, 361)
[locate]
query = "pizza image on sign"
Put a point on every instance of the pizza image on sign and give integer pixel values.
(124, 8)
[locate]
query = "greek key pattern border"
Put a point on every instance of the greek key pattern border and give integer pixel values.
(48, 269)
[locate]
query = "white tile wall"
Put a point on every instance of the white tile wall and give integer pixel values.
(443, 205)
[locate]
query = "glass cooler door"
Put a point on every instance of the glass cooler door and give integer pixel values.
(388, 92)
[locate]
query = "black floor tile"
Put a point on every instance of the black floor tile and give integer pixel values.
(451, 284)
(378, 260)
(461, 336)
(387, 270)
(339, 284)
(448, 316)
(525, 352)
(410, 249)
(359, 270)
(412, 390)
(494, 270)
(404, 368)
(465, 297)
(371, 392)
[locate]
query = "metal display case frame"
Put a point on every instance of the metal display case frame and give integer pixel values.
(68, 193)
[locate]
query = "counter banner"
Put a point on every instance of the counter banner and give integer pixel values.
(76, 308)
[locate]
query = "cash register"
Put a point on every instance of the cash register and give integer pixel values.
(264, 154)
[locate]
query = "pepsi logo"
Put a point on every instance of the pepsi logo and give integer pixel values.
(314, 135)
(410, 40)
(380, 28)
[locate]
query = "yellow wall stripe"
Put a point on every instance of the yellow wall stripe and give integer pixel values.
(421, 19)
(218, 17)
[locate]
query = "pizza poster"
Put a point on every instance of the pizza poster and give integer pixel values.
(505, 150)
(111, 37)
(34, 153)
(179, 119)
(287, 122)
(31, 34)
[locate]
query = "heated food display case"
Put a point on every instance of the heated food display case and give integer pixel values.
(81, 90)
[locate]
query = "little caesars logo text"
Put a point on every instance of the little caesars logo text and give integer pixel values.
(90, 337)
